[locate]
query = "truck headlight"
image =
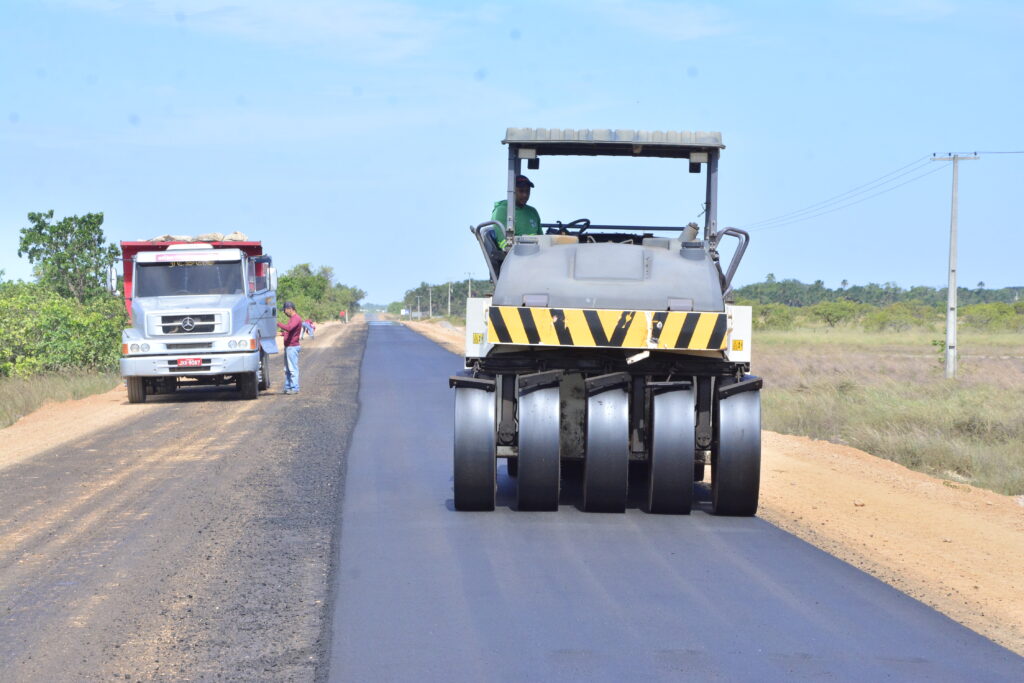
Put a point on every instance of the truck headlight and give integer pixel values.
(134, 348)
(145, 347)
(232, 344)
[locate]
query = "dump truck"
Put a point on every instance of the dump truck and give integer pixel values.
(610, 351)
(203, 311)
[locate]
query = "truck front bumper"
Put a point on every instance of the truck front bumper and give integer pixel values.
(197, 365)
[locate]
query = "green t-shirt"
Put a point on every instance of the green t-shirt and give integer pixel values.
(527, 220)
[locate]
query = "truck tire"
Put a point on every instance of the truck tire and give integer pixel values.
(264, 371)
(136, 390)
(248, 386)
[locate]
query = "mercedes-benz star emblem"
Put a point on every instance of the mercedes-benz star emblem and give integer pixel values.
(188, 324)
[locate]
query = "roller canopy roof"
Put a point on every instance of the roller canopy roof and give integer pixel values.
(640, 143)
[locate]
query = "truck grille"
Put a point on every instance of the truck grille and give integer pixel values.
(188, 323)
(186, 347)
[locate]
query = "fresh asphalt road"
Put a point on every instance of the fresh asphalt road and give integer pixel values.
(422, 592)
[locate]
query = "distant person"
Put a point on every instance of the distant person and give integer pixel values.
(527, 218)
(343, 316)
(308, 328)
(292, 345)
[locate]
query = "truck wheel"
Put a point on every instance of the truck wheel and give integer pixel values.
(136, 390)
(248, 386)
(264, 372)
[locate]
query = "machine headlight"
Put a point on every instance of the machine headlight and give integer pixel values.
(145, 347)
(134, 348)
(232, 344)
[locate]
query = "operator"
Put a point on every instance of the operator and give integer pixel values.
(292, 332)
(527, 218)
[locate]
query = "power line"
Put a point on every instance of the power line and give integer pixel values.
(860, 189)
(844, 206)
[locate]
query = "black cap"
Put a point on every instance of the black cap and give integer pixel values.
(289, 304)
(523, 181)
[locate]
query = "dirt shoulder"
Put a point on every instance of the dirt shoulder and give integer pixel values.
(952, 546)
(65, 422)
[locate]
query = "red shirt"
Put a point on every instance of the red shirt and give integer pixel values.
(292, 330)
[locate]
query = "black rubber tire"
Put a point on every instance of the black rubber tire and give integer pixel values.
(264, 371)
(475, 481)
(512, 467)
(673, 442)
(606, 461)
(698, 471)
(136, 389)
(248, 386)
(539, 469)
(736, 455)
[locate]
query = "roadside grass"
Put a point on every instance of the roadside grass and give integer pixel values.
(886, 394)
(19, 397)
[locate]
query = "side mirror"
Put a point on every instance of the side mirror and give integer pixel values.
(112, 279)
(272, 278)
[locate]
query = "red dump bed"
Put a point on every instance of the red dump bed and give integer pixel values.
(130, 249)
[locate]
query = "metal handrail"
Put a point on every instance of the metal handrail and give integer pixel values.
(744, 237)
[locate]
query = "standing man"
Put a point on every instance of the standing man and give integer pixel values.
(527, 218)
(292, 332)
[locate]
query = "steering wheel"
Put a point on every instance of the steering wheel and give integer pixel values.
(584, 223)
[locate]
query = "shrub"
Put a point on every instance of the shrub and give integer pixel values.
(902, 316)
(773, 317)
(994, 316)
(43, 331)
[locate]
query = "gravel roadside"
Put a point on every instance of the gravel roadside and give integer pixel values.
(191, 540)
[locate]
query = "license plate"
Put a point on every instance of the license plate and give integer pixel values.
(190, 362)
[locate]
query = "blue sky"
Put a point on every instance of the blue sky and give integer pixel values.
(366, 135)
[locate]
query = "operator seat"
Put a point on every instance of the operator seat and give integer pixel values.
(494, 252)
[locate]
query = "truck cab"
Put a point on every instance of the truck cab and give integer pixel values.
(202, 312)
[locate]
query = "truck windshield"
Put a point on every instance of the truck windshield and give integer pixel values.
(188, 277)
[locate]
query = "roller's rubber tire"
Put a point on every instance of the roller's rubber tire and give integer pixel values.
(539, 469)
(606, 460)
(136, 389)
(248, 386)
(673, 442)
(736, 455)
(475, 480)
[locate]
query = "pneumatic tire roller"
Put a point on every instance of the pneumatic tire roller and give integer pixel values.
(612, 347)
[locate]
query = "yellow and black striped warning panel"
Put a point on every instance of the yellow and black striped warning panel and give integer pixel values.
(615, 329)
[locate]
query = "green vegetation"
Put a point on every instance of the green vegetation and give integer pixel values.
(885, 393)
(315, 294)
(42, 331)
(70, 257)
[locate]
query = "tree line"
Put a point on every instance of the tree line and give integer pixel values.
(796, 293)
(427, 298)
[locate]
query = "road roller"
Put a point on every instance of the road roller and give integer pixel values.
(610, 353)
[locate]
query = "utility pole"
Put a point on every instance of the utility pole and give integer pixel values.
(419, 311)
(430, 302)
(951, 291)
(469, 280)
(449, 298)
